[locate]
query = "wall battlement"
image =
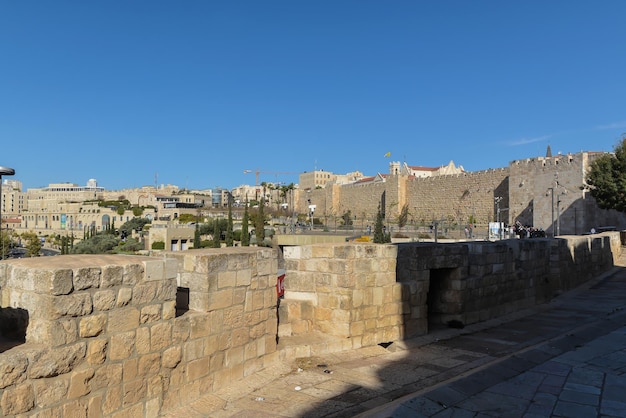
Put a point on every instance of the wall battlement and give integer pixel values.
(111, 336)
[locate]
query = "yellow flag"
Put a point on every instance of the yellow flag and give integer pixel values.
(388, 154)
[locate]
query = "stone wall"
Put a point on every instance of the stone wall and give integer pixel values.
(542, 192)
(103, 339)
(113, 336)
(347, 291)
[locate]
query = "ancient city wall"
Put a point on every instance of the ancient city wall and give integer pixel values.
(128, 336)
(100, 335)
(459, 197)
(342, 290)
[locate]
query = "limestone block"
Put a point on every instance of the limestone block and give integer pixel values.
(60, 332)
(166, 290)
(199, 301)
(172, 357)
(17, 400)
(244, 277)
(233, 357)
(153, 270)
(142, 340)
(150, 313)
(135, 273)
(123, 319)
(197, 368)
(130, 369)
(181, 329)
(169, 310)
(50, 391)
(104, 300)
(226, 279)
(133, 392)
(112, 400)
(12, 368)
(112, 275)
(199, 326)
(94, 407)
(79, 383)
(61, 360)
(160, 336)
(233, 317)
(144, 293)
(241, 336)
(124, 296)
(194, 349)
(97, 351)
(149, 365)
(122, 345)
(220, 299)
(75, 408)
(86, 278)
(92, 326)
(76, 304)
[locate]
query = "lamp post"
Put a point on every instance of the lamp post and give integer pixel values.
(4, 171)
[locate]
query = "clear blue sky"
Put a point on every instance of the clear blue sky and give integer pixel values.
(193, 93)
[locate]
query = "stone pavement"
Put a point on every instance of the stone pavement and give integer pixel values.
(566, 358)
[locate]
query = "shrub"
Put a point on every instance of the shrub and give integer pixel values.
(158, 245)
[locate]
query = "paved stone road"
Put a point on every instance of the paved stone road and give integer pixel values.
(566, 358)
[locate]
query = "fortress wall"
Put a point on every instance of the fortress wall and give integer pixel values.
(102, 337)
(458, 197)
(342, 290)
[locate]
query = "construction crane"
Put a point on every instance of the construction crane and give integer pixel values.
(257, 172)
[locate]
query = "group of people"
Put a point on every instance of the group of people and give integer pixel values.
(525, 231)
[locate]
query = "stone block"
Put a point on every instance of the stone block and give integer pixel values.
(160, 336)
(17, 400)
(142, 340)
(154, 270)
(112, 275)
(149, 365)
(61, 360)
(97, 351)
(123, 319)
(122, 345)
(226, 279)
(197, 368)
(124, 296)
(172, 357)
(86, 278)
(144, 293)
(12, 368)
(150, 313)
(92, 326)
(50, 391)
(77, 304)
(79, 383)
(104, 300)
(220, 299)
(134, 273)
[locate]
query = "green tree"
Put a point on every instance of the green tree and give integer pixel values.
(97, 244)
(197, 240)
(135, 224)
(5, 238)
(259, 224)
(216, 234)
(33, 244)
(380, 236)
(245, 234)
(186, 218)
(346, 218)
(606, 178)
(229, 226)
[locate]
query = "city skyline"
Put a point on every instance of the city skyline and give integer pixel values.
(195, 94)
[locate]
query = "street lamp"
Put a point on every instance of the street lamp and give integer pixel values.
(4, 171)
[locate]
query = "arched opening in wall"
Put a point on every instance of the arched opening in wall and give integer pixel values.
(13, 326)
(182, 300)
(444, 303)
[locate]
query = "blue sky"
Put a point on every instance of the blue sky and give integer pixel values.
(193, 93)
